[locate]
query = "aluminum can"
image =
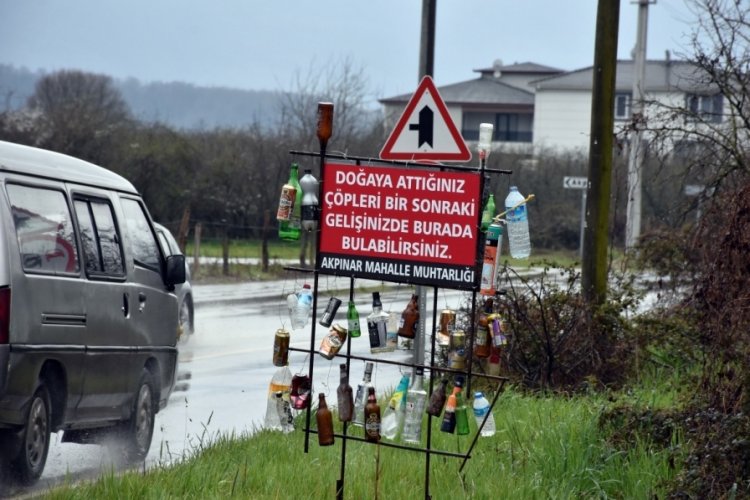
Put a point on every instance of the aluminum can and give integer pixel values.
(457, 359)
(458, 339)
(281, 347)
(330, 312)
(286, 202)
(333, 342)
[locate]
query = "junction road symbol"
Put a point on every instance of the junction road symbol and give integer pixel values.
(425, 130)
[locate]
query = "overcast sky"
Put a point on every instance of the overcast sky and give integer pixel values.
(253, 44)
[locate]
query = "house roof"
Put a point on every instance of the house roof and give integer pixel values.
(528, 67)
(660, 75)
(482, 90)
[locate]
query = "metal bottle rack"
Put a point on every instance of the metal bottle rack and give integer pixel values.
(428, 451)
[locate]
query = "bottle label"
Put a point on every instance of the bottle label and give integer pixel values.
(309, 212)
(372, 425)
(517, 214)
(481, 339)
(481, 411)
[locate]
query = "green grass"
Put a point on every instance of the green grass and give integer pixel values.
(544, 447)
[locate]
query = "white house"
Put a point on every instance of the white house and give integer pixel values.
(531, 104)
(562, 107)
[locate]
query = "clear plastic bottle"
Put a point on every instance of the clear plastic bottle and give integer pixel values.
(309, 213)
(281, 381)
(517, 222)
(482, 408)
(300, 312)
(416, 399)
(360, 399)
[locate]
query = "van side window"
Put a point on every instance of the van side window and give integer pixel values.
(101, 244)
(145, 248)
(44, 230)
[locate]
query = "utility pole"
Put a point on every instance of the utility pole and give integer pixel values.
(594, 268)
(636, 150)
(426, 68)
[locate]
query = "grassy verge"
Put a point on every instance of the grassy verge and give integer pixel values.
(544, 447)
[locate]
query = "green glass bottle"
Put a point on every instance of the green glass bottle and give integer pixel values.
(352, 317)
(488, 213)
(290, 229)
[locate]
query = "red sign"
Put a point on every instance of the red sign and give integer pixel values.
(425, 130)
(397, 224)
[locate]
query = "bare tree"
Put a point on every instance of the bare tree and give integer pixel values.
(78, 113)
(710, 131)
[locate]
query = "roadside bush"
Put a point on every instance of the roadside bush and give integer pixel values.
(557, 342)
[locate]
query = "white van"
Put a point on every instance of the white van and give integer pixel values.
(88, 316)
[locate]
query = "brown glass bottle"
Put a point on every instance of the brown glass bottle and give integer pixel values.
(482, 341)
(372, 417)
(325, 422)
(344, 396)
(407, 325)
(437, 400)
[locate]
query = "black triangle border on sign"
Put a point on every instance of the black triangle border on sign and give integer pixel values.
(426, 85)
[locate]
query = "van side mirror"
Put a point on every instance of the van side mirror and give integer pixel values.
(175, 270)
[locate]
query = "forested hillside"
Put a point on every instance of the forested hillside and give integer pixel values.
(176, 104)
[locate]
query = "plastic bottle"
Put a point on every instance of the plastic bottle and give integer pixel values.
(301, 309)
(289, 229)
(360, 400)
(309, 212)
(482, 408)
(393, 416)
(489, 212)
(517, 222)
(281, 381)
(416, 398)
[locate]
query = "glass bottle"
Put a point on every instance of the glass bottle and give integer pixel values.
(289, 229)
(352, 318)
(309, 208)
(394, 411)
(482, 341)
(407, 325)
(325, 422)
(372, 417)
(344, 396)
(449, 416)
(437, 400)
(462, 416)
(489, 212)
(377, 325)
(415, 403)
(361, 398)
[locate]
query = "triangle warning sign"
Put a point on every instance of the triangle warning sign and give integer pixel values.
(425, 130)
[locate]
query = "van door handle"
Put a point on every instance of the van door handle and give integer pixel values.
(141, 301)
(125, 305)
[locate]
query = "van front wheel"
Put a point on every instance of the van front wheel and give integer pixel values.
(139, 429)
(28, 465)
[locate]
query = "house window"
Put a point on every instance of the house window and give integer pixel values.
(623, 105)
(509, 127)
(707, 108)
